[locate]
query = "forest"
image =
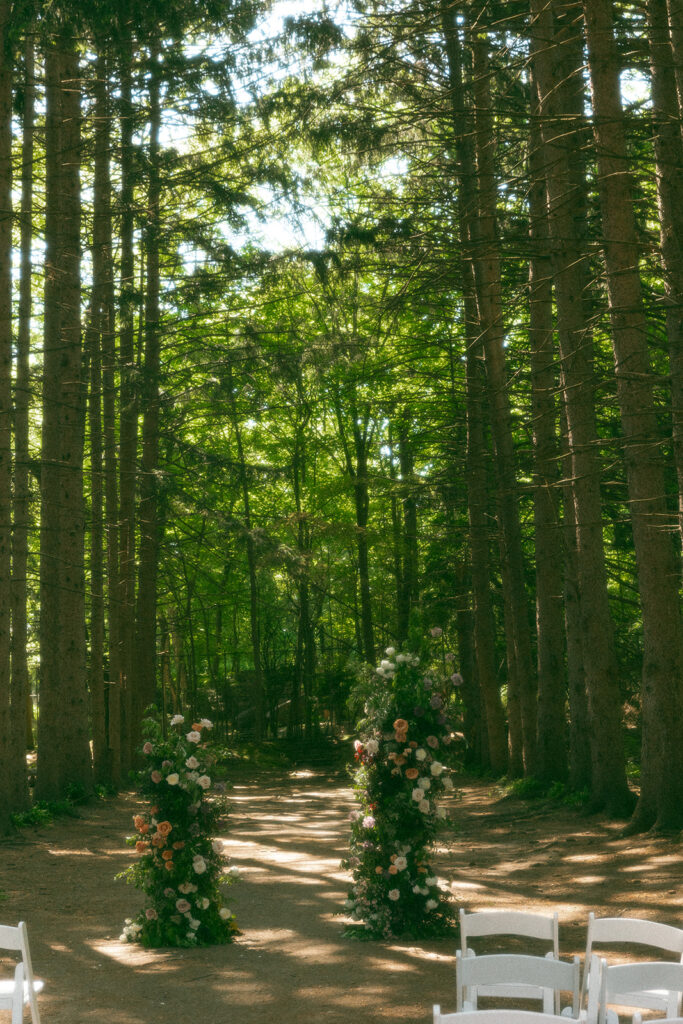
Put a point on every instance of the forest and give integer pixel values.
(325, 327)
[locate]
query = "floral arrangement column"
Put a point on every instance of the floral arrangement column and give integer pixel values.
(180, 866)
(400, 774)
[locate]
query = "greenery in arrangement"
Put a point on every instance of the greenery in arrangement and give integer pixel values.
(181, 868)
(402, 760)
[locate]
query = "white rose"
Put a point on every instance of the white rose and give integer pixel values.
(194, 924)
(205, 723)
(424, 806)
(390, 652)
(448, 782)
(436, 768)
(432, 881)
(401, 863)
(431, 905)
(173, 779)
(203, 903)
(217, 846)
(372, 746)
(225, 913)
(394, 894)
(193, 736)
(235, 871)
(177, 720)
(417, 795)
(424, 784)
(401, 658)
(204, 781)
(385, 664)
(440, 813)
(199, 865)
(420, 754)
(192, 762)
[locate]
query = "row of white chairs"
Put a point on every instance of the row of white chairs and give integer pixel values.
(520, 1017)
(22, 988)
(651, 985)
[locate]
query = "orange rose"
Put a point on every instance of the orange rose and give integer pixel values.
(138, 821)
(158, 841)
(400, 761)
(400, 725)
(196, 727)
(169, 865)
(378, 870)
(167, 854)
(393, 870)
(412, 773)
(164, 827)
(179, 845)
(140, 847)
(413, 744)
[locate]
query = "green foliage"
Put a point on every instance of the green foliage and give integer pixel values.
(180, 867)
(44, 812)
(401, 771)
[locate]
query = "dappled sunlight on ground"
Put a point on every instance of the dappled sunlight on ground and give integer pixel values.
(291, 963)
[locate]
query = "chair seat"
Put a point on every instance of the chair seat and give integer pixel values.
(7, 990)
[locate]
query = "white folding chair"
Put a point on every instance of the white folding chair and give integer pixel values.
(23, 988)
(634, 931)
(634, 985)
(497, 923)
(637, 1019)
(496, 1017)
(515, 976)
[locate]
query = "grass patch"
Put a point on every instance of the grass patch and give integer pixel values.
(535, 789)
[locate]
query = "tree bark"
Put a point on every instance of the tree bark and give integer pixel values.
(661, 794)
(562, 131)
(149, 522)
(22, 704)
(120, 687)
(7, 768)
(63, 732)
(522, 674)
(476, 474)
(666, 115)
(552, 691)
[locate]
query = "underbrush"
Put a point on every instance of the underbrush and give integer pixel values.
(44, 812)
(535, 789)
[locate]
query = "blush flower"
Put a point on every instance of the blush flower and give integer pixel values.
(192, 762)
(193, 736)
(204, 781)
(182, 906)
(155, 776)
(177, 720)
(394, 895)
(147, 748)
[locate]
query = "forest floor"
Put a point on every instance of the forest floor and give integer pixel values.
(291, 964)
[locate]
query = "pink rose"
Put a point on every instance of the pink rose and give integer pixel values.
(182, 906)
(148, 748)
(151, 914)
(156, 776)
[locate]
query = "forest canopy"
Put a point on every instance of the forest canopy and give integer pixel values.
(322, 328)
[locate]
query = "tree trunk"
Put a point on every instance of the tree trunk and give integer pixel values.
(63, 733)
(477, 489)
(145, 675)
(22, 704)
(120, 687)
(661, 795)
(552, 693)
(409, 578)
(522, 675)
(666, 115)
(561, 127)
(6, 767)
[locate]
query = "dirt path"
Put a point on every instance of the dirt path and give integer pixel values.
(291, 965)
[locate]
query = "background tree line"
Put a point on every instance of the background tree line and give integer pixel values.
(232, 467)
